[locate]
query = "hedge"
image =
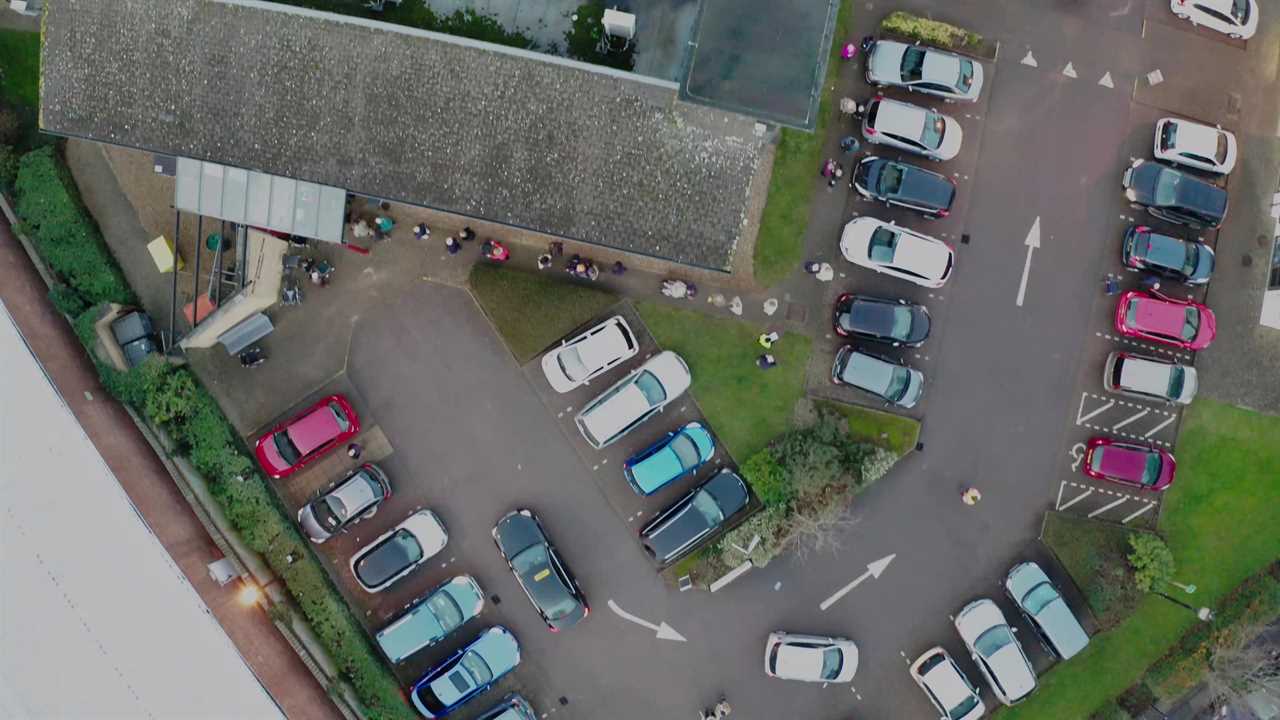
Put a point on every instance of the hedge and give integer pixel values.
(929, 31)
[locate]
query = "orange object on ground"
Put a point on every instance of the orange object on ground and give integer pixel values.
(201, 307)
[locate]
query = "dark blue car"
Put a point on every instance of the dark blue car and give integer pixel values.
(469, 672)
(677, 454)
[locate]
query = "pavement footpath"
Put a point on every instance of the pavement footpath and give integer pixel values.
(150, 487)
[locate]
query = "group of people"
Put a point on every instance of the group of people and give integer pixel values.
(720, 711)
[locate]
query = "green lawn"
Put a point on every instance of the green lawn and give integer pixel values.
(780, 243)
(1096, 555)
(20, 67)
(894, 433)
(532, 311)
(746, 406)
(1219, 519)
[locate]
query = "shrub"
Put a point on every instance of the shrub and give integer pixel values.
(10, 126)
(769, 524)
(8, 166)
(1151, 560)
(67, 300)
(1137, 699)
(1111, 711)
(767, 479)
(929, 31)
(876, 465)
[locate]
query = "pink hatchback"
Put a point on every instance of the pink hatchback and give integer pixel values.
(319, 429)
(1128, 464)
(1180, 323)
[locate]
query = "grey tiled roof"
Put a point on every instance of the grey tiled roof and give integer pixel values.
(504, 135)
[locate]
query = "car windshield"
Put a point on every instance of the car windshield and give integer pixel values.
(1220, 152)
(1177, 378)
(990, 642)
(330, 511)
(685, 450)
(1190, 324)
(966, 73)
(883, 243)
(832, 661)
(934, 128)
(891, 179)
(898, 384)
(901, 323)
(964, 708)
(1190, 259)
(1039, 596)
(651, 388)
(1168, 135)
(344, 423)
(1131, 313)
(707, 507)
(286, 448)
(1151, 469)
(912, 64)
(477, 667)
(570, 362)
(1167, 187)
(446, 610)
(1240, 11)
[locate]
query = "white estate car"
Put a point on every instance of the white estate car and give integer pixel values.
(398, 551)
(1150, 378)
(893, 250)
(1237, 18)
(634, 399)
(578, 360)
(924, 69)
(812, 658)
(996, 651)
(1199, 146)
(946, 686)
(911, 128)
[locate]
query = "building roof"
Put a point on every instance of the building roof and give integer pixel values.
(506, 135)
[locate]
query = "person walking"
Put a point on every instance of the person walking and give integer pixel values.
(849, 144)
(971, 496)
(768, 339)
(452, 245)
(766, 361)
(618, 268)
(421, 232)
(723, 709)
(354, 451)
(544, 261)
(468, 234)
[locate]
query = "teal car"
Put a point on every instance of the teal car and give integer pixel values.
(1042, 604)
(677, 454)
(431, 619)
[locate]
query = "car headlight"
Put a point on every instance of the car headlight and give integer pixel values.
(1131, 194)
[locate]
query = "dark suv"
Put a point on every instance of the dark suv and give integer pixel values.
(1174, 258)
(691, 519)
(903, 184)
(1174, 195)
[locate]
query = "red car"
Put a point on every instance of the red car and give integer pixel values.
(1180, 323)
(319, 429)
(1128, 464)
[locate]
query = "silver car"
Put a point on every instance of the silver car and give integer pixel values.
(1150, 378)
(946, 686)
(894, 383)
(994, 648)
(924, 69)
(634, 399)
(911, 128)
(347, 503)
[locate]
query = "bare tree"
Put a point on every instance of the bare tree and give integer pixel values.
(820, 530)
(1246, 666)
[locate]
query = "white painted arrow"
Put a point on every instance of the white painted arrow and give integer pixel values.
(1069, 71)
(1032, 242)
(1106, 81)
(664, 631)
(874, 570)
(1029, 60)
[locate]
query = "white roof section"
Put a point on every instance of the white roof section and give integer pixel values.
(260, 200)
(96, 620)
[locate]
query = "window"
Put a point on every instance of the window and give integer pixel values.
(1240, 11)
(1215, 15)
(1167, 187)
(882, 246)
(1220, 153)
(966, 74)
(891, 179)
(651, 388)
(1273, 282)
(1168, 135)
(1191, 324)
(912, 64)
(935, 128)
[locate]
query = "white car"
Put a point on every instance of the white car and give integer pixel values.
(1237, 18)
(946, 686)
(579, 360)
(398, 551)
(994, 648)
(897, 251)
(634, 399)
(911, 128)
(924, 69)
(812, 658)
(1199, 146)
(1150, 378)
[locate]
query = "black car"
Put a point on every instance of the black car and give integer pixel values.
(1183, 260)
(893, 322)
(538, 567)
(136, 336)
(679, 528)
(898, 183)
(1174, 195)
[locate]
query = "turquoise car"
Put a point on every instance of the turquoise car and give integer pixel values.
(442, 611)
(677, 454)
(1042, 604)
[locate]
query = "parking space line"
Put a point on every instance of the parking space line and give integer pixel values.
(1108, 506)
(1131, 436)
(1145, 508)
(1121, 424)
(1058, 505)
(1081, 417)
(1086, 494)
(1160, 427)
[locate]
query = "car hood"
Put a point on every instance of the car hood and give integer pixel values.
(671, 371)
(855, 237)
(1190, 383)
(1015, 675)
(952, 138)
(1208, 329)
(1205, 260)
(976, 618)
(927, 257)
(311, 526)
(1140, 178)
(516, 532)
(1060, 624)
(499, 649)
(269, 456)
(950, 689)
(1022, 578)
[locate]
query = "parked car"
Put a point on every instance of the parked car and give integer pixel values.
(579, 360)
(398, 551)
(1173, 195)
(946, 686)
(812, 658)
(679, 453)
(317, 430)
(994, 648)
(467, 673)
(136, 336)
(541, 572)
(431, 619)
(923, 69)
(887, 248)
(1202, 147)
(911, 128)
(355, 498)
(704, 510)
(512, 707)
(905, 185)
(892, 382)
(1041, 603)
(1236, 18)
(1165, 320)
(1150, 378)
(1128, 463)
(633, 399)
(1186, 261)
(892, 322)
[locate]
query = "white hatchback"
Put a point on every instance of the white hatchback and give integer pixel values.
(997, 652)
(1199, 146)
(812, 658)
(946, 686)
(897, 251)
(579, 360)
(398, 551)
(911, 128)
(634, 399)
(1237, 18)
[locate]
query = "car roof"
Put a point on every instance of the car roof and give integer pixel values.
(603, 347)
(314, 429)
(801, 662)
(660, 467)
(1197, 194)
(1145, 376)
(1123, 461)
(411, 631)
(926, 256)
(945, 682)
(1197, 138)
(901, 118)
(941, 67)
(926, 186)
(1166, 251)
(615, 414)
(869, 371)
(868, 314)
(1160, 316)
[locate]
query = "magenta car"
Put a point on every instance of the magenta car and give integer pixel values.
(1180, 323)
(1127, 463)
(319, 429)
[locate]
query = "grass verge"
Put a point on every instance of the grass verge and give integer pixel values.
(1095, 554)
(532, 311)
(20, 68)
(746, 406)
(1219, 520)
(779, 247)
(894, 433)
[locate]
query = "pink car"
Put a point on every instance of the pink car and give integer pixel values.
(1180, 323)
(1128, 464)
(319, 429)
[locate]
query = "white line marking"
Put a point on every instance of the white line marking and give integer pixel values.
(1061, 486)
(1126, 422)
(1107, 507)
(1086, 494)
(1069, 71)
(874, 570)
(1106, 81)
(1032, 242)
(1145, 508)
(1029, 60)
(1159, 427)
(1081, 419)
(1077, 454)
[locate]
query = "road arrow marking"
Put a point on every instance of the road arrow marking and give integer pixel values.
(1069, 71)
(1032, 242)
(664, 631)
(1029, 60)
(873, 571)
(1106, 81)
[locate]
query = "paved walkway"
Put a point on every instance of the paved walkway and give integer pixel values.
(150, 488)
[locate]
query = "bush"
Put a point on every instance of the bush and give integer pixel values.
(1093, 553)
(1151, 560)
(10, 126)
(769, 524)
(8, 166)
(767, 478)
(929, 31)
(1137, 699)
(67, 300)
(876, 465)
(1111, 711)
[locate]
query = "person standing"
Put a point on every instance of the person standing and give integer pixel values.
(971, 496)
(468, 234)
(452, 245)
(766, 361)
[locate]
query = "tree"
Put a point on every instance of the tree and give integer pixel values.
(1246, 665)
(1152, 561)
